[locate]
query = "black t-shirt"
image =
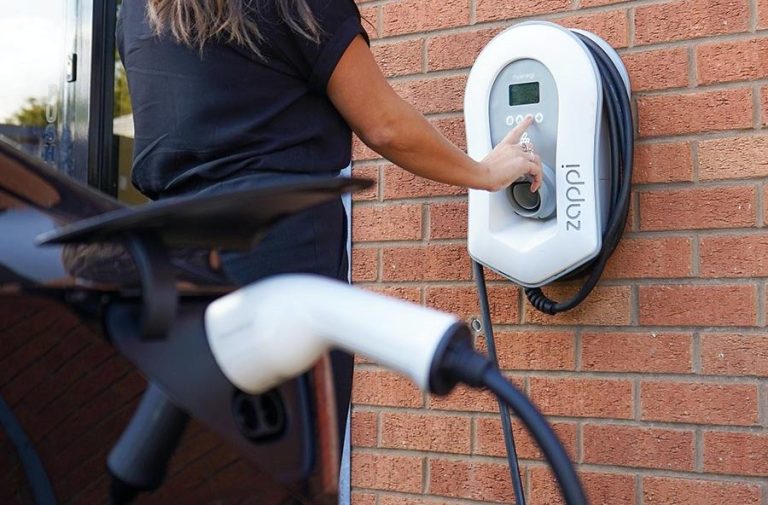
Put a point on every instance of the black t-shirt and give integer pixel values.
(206, 116)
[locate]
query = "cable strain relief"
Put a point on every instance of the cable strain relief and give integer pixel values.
(456, 361)
(540, 301)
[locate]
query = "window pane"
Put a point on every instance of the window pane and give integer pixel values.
(122, 129)
(32, 78)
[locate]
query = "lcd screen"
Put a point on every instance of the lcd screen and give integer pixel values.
(524, 94)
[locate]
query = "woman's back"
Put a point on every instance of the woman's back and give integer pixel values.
(220, 112)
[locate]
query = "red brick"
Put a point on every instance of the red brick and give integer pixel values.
(434, 95)
(425, 432)
(638, 447)
(401, 184)
(382, 471)
(409, 500)
(696, 112)
(399, 58)
(698, 208)
(465, 399)
(489, 10)
(386, 223)
(645, 258)
(536, 350)
(503, 302)
(409, 16)
(732, 61)
(448, 220)
(734, 256)
(365, 429)
(457, 50)
(361, 152)
(431, 263)
(457, 300)
(489, 439)
(463, 301)
(370, 21)
(365, 264)
(636, 352)
(681, 402)
(734, 354)
(657, 69)
(370, 173)
(765, 207)
(583, 397)
(407, 293)
(670, 491)
(611, 26)
(736, 453)
(688, 19)
(607, 305)
(718, 305)
(453, 129)
(762, 13)
(359, 498)
(384, 389)
(601, 488)
(733, 158)
(487, 482)
(667, 162)
(593, 3)
(764, 105)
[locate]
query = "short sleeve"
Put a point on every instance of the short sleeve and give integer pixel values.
(340, 23)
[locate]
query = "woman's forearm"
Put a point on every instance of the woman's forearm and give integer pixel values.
(407, 139)
(397, 131)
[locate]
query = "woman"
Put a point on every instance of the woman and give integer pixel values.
(232, 93)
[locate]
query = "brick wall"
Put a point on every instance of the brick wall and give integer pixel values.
(658, 384)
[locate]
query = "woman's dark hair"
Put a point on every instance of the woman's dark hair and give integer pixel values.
(195, 22)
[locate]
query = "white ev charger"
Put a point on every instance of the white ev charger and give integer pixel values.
(577, 90)
(558, 76)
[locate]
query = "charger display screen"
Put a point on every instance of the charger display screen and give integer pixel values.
(524, 94)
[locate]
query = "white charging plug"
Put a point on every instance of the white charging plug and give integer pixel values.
(275, 329)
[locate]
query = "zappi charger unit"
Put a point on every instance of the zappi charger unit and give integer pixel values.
(545, 70)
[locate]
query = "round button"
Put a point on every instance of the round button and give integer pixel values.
(539, 117)
(519, 119)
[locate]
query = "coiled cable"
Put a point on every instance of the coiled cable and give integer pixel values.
(618, 109)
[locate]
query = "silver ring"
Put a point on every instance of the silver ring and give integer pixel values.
(526, 147)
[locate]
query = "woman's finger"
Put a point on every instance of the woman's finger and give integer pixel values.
(516, 133)
(535, 172)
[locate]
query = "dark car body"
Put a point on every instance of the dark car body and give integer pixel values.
(69, 268)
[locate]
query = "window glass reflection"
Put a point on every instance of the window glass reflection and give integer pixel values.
(33, 52)
(122, 129)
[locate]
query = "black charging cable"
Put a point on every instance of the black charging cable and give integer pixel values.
(619, 112)
(459, 362)
(506, 422)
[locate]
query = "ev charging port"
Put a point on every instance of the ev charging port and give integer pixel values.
(522, 197)
(259, 417)
(536, 205)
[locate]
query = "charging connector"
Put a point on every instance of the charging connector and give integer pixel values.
(277, 328)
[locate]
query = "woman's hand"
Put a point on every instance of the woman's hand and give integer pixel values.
(510, 160)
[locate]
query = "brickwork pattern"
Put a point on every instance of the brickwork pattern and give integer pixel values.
(658, 384)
